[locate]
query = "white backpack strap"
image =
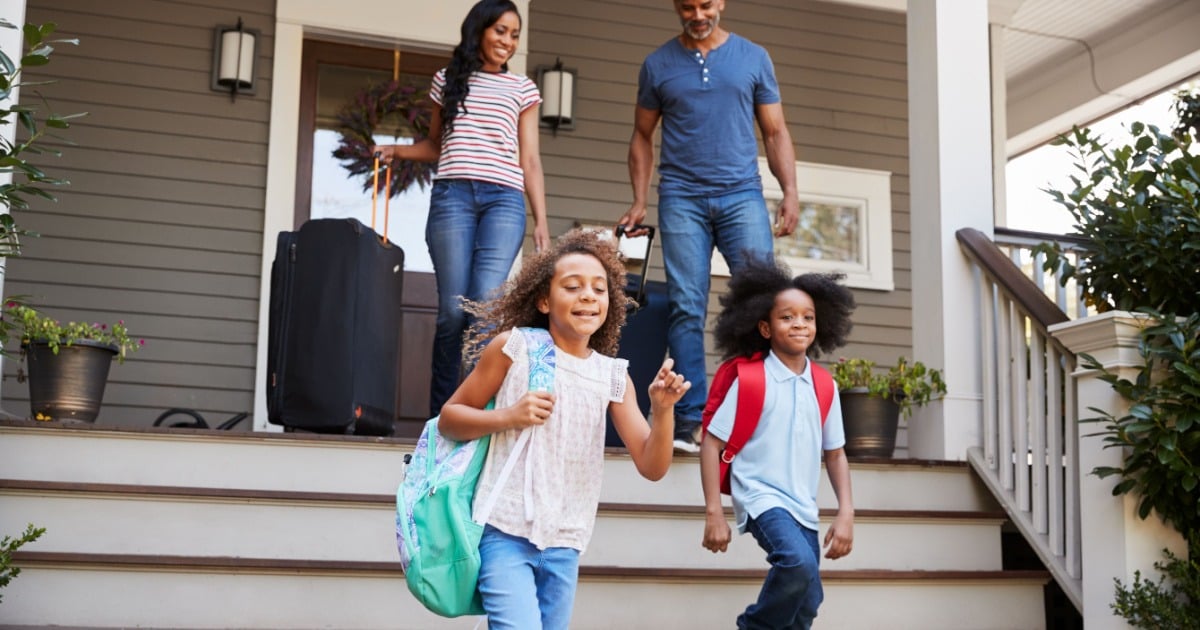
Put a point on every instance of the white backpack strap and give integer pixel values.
(540, 347)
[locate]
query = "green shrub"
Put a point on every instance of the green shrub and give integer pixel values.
(8, 545)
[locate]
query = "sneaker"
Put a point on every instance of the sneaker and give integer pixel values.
(688, 440)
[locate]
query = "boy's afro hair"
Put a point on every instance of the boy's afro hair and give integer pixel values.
(751, 295)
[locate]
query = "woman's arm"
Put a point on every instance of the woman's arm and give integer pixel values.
(464, 417)
(535, 181)
(425, 150)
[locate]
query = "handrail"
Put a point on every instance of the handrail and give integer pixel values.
(1029, 456)
(998, 266)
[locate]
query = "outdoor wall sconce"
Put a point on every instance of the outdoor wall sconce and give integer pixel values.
(558, 96)
(235, 55)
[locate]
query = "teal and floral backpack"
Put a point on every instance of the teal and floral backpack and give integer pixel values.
(437, 538)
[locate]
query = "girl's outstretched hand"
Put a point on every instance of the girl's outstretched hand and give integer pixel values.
(532, 409)
(668, 386)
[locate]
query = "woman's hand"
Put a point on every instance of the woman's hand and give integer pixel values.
(387, 152)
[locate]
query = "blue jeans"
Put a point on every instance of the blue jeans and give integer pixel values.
(792, 591)
(737, 224)
(474, 232)
(524, 588)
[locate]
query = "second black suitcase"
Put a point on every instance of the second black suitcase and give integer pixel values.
(333, 336)
(644, 337)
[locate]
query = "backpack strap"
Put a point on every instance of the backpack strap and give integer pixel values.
(752, 393)
(823, 383)
(540, 347)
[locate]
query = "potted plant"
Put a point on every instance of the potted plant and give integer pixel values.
(873, 401)
(67, 363)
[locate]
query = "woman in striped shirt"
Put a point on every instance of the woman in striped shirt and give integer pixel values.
(484, 138)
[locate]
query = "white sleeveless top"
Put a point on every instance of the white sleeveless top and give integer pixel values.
(553, 492)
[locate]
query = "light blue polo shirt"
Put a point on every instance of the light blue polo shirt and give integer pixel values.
(780, 466)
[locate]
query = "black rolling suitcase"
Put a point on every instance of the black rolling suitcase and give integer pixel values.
(644, 337)
(333, 336)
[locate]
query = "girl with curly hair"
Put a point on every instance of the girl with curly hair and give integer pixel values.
(546, 511)
(484, 137)
(774, 477)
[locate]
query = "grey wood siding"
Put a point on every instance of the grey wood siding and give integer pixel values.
(842, 72)
(161, 225)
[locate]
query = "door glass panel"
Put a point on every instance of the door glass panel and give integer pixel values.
(336, 194)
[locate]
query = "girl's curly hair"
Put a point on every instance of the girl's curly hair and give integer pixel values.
(465, 60)
(751, 296)
(517, 304)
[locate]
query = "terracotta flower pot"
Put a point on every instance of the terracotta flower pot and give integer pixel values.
(69, 386)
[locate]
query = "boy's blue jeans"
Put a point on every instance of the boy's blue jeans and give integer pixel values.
(525, 588)
(474, 232)
(792, 591)
(736, 223)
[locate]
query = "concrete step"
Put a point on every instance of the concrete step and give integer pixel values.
(186, 592)
(90, 517)
(362, 465)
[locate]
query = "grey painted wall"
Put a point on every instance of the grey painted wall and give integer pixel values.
(161, 225)
(842, 74)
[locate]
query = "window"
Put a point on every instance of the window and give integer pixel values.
(845, 224)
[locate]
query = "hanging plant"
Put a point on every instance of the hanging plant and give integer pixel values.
(359, 119)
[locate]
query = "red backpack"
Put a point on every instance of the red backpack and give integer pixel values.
(751, 375)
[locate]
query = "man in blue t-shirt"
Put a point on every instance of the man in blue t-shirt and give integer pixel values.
(709, 87)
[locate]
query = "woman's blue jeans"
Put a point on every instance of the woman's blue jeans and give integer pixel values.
(737, 224)
(525, 588)
(474, 232)
(792, 591)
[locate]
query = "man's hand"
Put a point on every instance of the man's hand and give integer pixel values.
(634, 216)
(787, 216)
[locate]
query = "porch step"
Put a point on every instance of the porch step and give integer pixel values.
(164, 589)
(208, 522)
(205, 529)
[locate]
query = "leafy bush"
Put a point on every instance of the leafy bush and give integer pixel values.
(8, 545)
(1171, 602)
(1138, 206)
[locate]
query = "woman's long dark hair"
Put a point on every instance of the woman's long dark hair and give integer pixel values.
(466, 58)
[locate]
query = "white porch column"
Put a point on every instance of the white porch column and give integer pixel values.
(11, 42)
(950, 162)
(1114, 541)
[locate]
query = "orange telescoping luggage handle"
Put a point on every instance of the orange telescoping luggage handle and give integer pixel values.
(387, 194)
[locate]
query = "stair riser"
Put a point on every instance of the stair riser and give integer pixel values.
(171, 599)
(87, 523)
(275, 463)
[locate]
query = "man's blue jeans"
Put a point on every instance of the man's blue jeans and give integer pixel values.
(474, 232)
(792, 591)
(525, 588)
(737, 224)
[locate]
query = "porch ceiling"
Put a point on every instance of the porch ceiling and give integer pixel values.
(1069, 62)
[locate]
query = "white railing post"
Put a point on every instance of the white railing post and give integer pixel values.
(1114, 541)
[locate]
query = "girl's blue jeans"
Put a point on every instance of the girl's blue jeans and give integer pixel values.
(792, 591)
(474, 232)
(736, 223)
(525, 588)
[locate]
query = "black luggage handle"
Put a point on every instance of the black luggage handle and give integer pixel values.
(639, 299)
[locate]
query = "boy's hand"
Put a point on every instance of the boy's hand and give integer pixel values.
(716, 533)
(668, 387)
(533, 409)
(839, 540)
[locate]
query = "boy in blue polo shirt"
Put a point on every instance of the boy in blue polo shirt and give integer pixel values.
(774, 478)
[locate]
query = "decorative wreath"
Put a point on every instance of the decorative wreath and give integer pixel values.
(361, 116)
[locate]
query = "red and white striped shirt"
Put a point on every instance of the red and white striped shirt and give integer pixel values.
(483, 144)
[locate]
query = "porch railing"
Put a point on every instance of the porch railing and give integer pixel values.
(1029, 457)
(1019, 245)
